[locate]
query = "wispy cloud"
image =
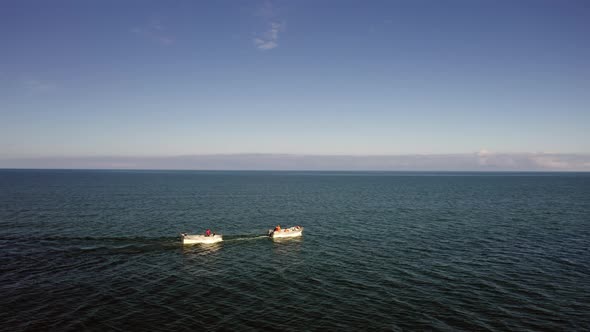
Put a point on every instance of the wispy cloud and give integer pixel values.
(440, 162)
(156, 32)
(267, 10)
(269, 39)
(33, 85)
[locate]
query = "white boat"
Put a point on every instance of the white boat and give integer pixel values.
(294, 231)
(194, 239)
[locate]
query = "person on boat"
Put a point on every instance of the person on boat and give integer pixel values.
(278, 228)
(208, 232)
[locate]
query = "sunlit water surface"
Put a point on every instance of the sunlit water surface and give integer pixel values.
(99, 250)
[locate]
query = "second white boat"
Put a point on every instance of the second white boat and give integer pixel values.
(286, 232)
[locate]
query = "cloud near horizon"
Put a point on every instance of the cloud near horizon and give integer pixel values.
(441, 162)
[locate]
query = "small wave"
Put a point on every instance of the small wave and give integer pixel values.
(116, 250)
(90, 238)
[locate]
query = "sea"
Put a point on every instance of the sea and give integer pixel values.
(100, 250)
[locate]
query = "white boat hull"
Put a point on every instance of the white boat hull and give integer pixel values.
(194, 239)
(288, 232)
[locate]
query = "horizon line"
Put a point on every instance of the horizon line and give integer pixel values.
(480, 161)
(303, 154)
(286, 170)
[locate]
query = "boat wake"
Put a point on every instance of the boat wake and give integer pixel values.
(113, 241)
(245, 237)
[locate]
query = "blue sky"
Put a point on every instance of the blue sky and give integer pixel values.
(169, 78)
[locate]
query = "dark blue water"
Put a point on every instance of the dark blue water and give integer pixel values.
(99, 250)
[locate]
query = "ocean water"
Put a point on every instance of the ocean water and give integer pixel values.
(100, 250)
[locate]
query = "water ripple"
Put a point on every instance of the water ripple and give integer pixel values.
(101, 251)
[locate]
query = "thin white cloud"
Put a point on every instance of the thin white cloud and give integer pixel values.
(34, 85)
(270, 38)
(551, 161)
(483, 152)
(267, 10)
(482, 157)
(156, 32)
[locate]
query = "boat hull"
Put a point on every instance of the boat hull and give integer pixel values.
(195, 239)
